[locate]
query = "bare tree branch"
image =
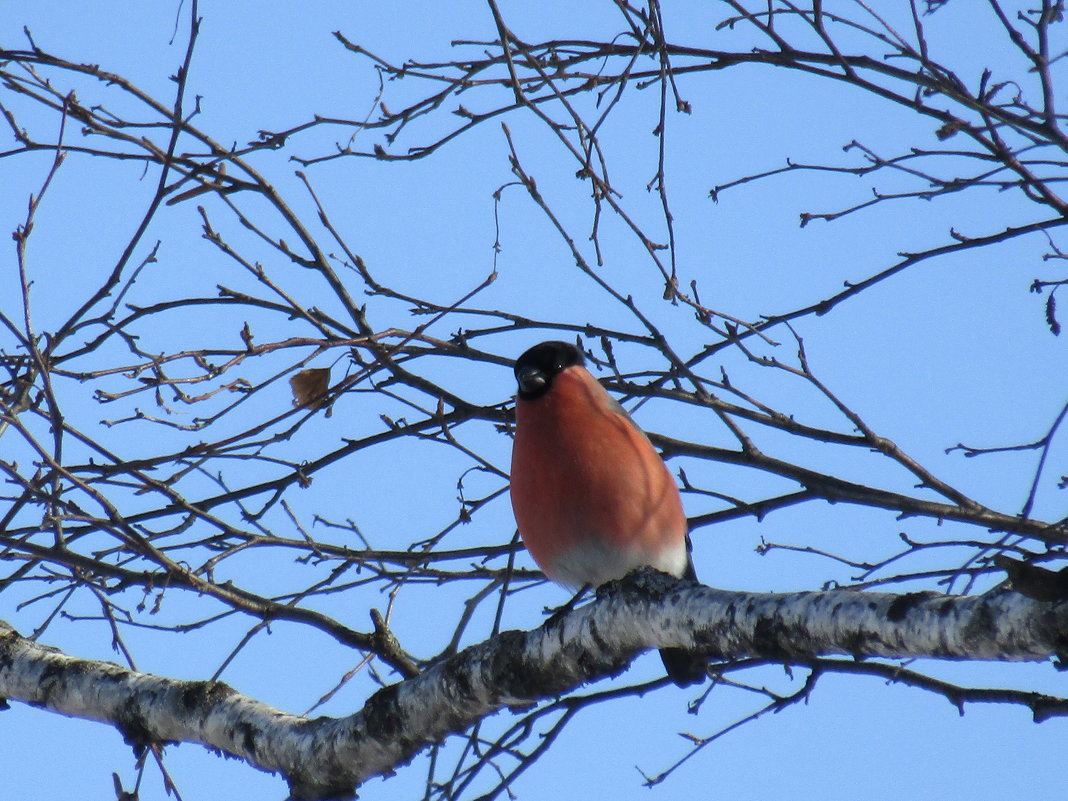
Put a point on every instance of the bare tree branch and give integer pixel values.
(327, 757)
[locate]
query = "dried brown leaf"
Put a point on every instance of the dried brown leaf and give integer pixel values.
(309, 387)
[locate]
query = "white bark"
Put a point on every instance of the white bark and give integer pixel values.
(328, 757)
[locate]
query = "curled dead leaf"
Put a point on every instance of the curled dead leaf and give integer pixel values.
(309, 387)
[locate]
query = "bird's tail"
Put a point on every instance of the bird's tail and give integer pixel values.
(684, 667)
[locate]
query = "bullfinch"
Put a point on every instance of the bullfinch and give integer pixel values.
(592, 498)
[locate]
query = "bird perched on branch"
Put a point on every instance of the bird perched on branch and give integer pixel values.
(592, 497)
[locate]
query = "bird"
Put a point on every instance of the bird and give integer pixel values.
(592, 498)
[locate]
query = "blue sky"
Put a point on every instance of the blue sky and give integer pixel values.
(955, 350)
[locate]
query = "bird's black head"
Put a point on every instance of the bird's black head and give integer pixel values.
(536, 368)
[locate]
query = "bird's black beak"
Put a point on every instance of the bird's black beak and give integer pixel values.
(531, 380)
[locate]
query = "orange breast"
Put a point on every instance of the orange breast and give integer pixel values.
(592, 498)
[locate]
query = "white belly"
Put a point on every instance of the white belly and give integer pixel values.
(595, 563)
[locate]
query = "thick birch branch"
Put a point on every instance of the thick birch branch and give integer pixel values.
(329, 757)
